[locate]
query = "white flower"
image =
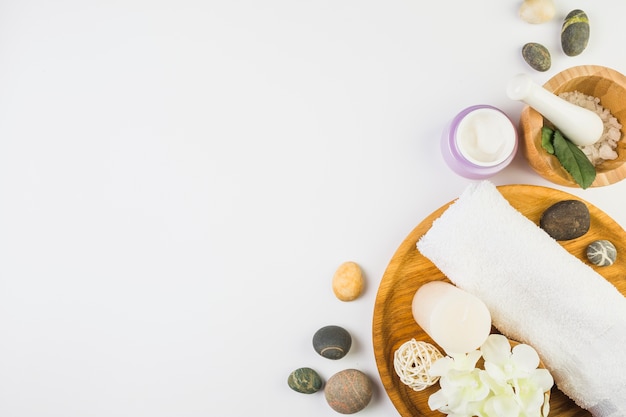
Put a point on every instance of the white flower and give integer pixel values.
(462, 386)
(509, 386)
(530, 391)
(501, 406)
(503, 364)
(457, 362)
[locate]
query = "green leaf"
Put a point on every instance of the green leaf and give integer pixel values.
(546, 140)
(574, 160)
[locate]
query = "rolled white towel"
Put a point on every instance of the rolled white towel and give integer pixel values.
(537, 293)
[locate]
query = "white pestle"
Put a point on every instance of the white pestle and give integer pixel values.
(579, 125)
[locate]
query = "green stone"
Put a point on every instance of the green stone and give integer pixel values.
(537, 56)
(575, 33)
(305, 381)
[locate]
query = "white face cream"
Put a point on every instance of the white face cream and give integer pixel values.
(479, 142)
(486, 137)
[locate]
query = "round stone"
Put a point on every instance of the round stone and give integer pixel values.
(305, 381)
(348, 391)
(537, 56)
(601, 253)
(566, 220)
(575, 33)
(332, 342)
(348, 281)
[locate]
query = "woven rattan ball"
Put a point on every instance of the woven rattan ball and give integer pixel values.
(412, 362)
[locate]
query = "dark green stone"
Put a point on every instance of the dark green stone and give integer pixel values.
(566, 220)
(537, 56)
(332, 342)
(305, 381)
(575, 33)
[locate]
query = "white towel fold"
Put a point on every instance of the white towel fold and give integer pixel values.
(537, 293)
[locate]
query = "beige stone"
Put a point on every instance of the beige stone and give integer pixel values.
(348, 281)
(537, 11)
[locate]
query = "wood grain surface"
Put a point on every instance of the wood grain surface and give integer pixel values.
(393, 322)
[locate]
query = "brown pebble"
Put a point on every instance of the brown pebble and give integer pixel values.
(348, 391)
(348, 281)
(566, 220)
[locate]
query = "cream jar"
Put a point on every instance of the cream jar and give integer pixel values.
(479, 142)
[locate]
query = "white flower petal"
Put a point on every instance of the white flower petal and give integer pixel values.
(531, 401)
(531, 391)
(502, 406)
(441, 366)
(530, 396)
(525, 357)
(543, 378)
(496, 349)
(496, 372)
(466, 361)
(438, 400)
(497, 386)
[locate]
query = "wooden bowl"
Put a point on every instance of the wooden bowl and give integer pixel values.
(604, 83)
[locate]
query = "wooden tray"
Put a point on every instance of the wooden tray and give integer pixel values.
(393, 322)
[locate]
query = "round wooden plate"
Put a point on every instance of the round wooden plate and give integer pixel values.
(393, 322)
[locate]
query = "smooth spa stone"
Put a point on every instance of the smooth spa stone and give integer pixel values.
(332, 342)
(305, 381)
(348, 281)
(602, 253)
(537, 56)
(348, 391)
(566, 220)
(575, 33)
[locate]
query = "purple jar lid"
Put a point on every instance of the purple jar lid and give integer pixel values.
(479, 142)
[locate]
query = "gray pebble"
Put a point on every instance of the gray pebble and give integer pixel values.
(575, 33)
(601, 253)
(566, 220)
(332, 342)
(537, 56)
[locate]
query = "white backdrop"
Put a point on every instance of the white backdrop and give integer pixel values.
(179, 181)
